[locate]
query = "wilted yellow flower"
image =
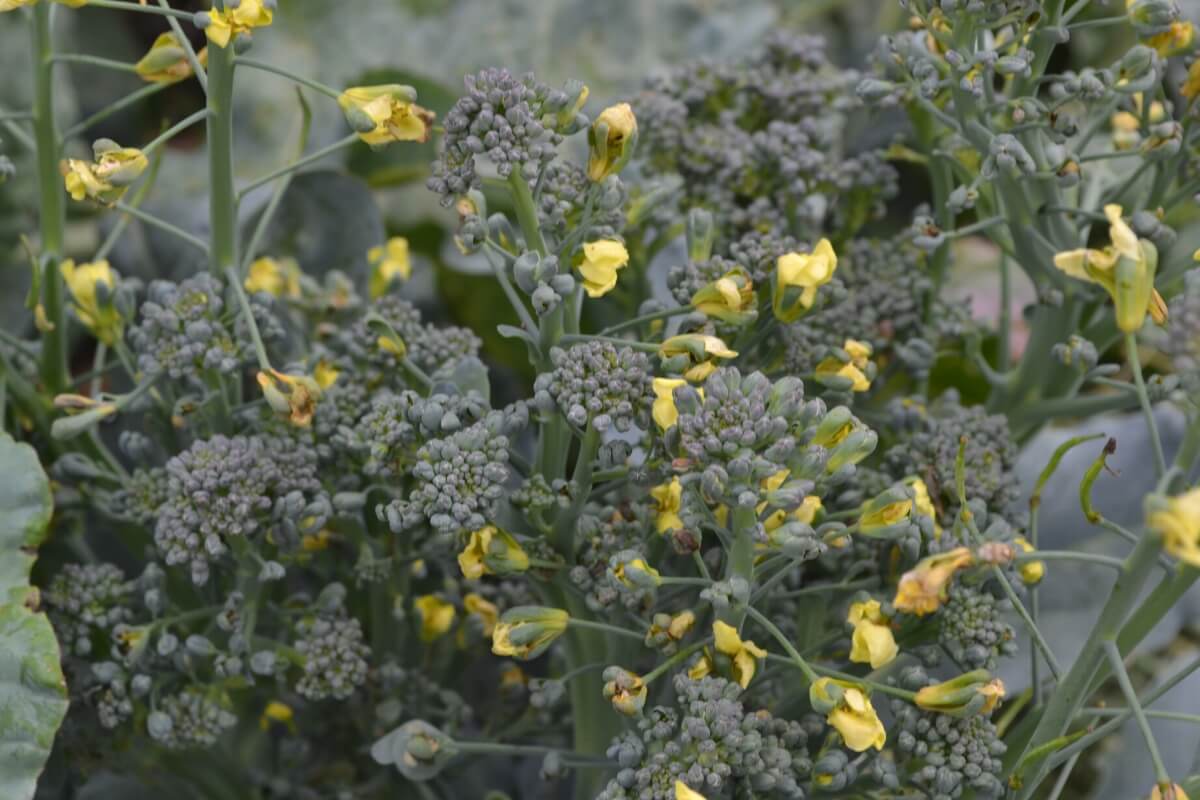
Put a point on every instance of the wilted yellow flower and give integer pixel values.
(436, 614)
(225, 24)
(684, 792)
(276, 712)
(611, 141)
(743, 654)
(477, 605)
(388, 262)
(850, 712)
(280, 277)
(625, 690)
(973, 693)
(602, 260)
(729, 298)
(98, 315)
(805, 272)
(106, 179)
(167, 62)
(664, 412)
(1175, 40)
(1178, 520)
(525, 632)
(292, 396)
(701, 351)
(491, 551)
(1125, 269)
(669, 497)
(922, 589)
(872, 642)
(385, 114)
(852, 370)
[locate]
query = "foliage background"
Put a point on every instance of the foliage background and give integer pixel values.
(612, 45)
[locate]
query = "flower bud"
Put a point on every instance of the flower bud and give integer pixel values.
(524, 632)
(611, 141)
(887, 514)
(491, 551)
(418, 750)
(625, 690)
(965, 696)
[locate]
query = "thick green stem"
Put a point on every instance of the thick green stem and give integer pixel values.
(50, 195)
(740, 562)
(1066, 701)
(526, 212)
(222, 202)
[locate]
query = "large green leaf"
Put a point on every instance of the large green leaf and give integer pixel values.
(25, 507)
(33, 692)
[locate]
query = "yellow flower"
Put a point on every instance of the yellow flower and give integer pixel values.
(669, 497)
(222, 25)
(701, 668)
(1175, 40)
(1125, 269)
(699, 350)
(436, 616)
(611, 140)
(850, 712)
(385, 114)
(166, 61)
(664, 412)
(491, 551)
(637, 573)
(884, 511)
(325, 374)
(1031, 572)
(280, 277)
(729, 298)
(965, 696)
(95, 310)
(1171, 792)
(314, 542)
(923, 503)
(525, 632)
(1178, 520)
(922, 589)
(13, 5)
(681, 624)
(803, 272)
(873, 642)
(602, 260)
(277, 712)
(852, 370)
(683, 792)
(625, 690)
(388, 262)
(291, 396)
(806, 512)
(743, 654)
(477, 605)
(107, 178)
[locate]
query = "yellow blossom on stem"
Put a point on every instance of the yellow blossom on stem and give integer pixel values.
(637, 573)
(872, 642)
(385, 114)
(1178, 520)
(95, 309)
(478, 606)
(699, 350)
(223, 25)
(684, 792)
(852, 370)
(969, 694)
(1177, 39)
(743, 654)
(729, 298)
(798, 276)
(664, 411)
(325, 374)
(602, 259)
(848, 709)
(1031, 572)
(278, 277)
(436, 615)
(611, 141)
(625, 690)
(1125, 269)
(923, 503)
(923, 588)
(166, 61)
(277, 712)
(525, 632)
(389, 261)
(106, 179)
(491, 551)
(669, 497)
